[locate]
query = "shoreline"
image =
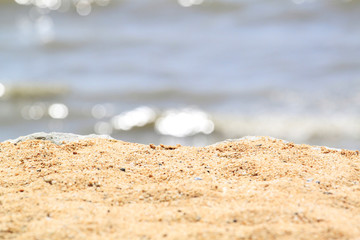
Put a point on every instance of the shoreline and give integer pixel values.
(250, 188)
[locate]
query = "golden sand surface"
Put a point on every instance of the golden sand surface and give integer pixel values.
(109, 189)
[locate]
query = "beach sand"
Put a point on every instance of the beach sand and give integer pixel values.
(108, 189)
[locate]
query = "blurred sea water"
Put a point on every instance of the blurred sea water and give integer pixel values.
(190, 71)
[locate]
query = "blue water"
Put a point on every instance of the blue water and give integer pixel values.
(253, 67)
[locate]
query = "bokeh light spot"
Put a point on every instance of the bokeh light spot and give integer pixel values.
(103, 128)
(2, 89)
(98, 111)
(183, 123)
(138, 117)
(83, 7)
(36, 112)
(45, 28)
(58, 111)
(23, 2)
(33, 112)
(189, 3)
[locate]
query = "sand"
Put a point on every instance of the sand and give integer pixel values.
(108, 189)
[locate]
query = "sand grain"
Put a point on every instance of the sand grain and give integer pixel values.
(109, 189)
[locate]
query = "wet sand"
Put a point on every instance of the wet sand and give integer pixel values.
(108, 189)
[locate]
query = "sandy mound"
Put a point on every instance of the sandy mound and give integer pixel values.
(108, 189)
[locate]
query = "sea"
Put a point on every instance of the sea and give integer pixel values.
(190, 72)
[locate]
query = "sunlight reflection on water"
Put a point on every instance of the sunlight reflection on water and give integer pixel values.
(33, 112)
(134, 67)
(2, 90)
(58, 111)
(138, 117)
(184, 123)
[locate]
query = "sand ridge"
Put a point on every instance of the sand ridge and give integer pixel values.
(260, 188)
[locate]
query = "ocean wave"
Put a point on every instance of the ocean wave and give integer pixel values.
(215, 5)
(301, 129)
(7, 2)
(14, 92)
(145, 123)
